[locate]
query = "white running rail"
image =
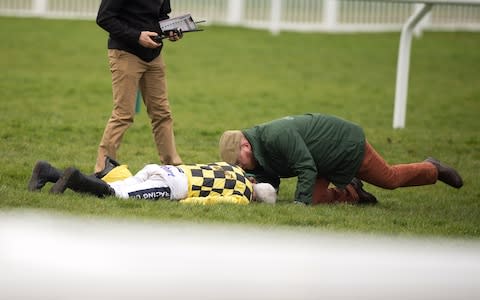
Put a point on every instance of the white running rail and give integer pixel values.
(403, 63)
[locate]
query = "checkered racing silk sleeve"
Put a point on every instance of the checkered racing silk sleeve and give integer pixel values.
(217, 182)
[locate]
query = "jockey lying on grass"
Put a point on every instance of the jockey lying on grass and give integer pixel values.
(197, 183)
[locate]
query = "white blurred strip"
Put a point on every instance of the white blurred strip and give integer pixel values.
(53, 257)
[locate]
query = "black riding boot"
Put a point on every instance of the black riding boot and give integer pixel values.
(42, 173)
(73, 179)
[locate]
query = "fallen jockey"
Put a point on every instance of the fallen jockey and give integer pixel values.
(218, 182)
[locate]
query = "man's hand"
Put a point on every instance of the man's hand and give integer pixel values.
(146, 41)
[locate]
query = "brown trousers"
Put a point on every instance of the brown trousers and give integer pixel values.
(128, 74)
(376, 171)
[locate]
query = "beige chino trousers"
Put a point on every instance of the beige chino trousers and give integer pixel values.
(129, 73)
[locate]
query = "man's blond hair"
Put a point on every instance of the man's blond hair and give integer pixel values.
(229, 145)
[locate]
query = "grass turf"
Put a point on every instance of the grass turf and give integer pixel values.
(56, 98)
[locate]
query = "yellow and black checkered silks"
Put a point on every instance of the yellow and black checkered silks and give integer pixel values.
(217, 179)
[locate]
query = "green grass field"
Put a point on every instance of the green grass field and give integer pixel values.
(56, 98)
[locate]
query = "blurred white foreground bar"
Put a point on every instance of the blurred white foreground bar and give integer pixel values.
(57, 257)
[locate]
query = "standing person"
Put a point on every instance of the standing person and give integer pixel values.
(319, 150)
(136, 62)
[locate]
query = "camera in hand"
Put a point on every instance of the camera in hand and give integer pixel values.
(157, 38)
(166, 34)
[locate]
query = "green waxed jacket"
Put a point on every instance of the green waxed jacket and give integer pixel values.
(308, 146)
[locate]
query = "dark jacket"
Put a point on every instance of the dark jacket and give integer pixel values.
(308, 146)
(125, 19)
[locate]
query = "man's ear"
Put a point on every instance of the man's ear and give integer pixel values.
(245, 142)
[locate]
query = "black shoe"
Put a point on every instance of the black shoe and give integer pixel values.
(446, 174)
(42, 173)
(365, 198)
(110, 164)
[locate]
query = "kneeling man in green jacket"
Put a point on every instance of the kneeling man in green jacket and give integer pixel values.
(321, 149)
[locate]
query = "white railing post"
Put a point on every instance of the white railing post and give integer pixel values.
(235, 12)
(403, 66)
(275, 16)
(423, 23)
(330, 12)
(39, 7)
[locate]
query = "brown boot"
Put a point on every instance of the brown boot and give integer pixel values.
(446, 174)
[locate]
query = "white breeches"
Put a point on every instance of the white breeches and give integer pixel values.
(153, 182)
